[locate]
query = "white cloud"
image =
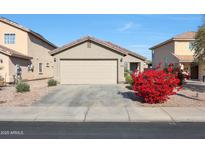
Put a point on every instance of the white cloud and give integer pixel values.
(128, 26)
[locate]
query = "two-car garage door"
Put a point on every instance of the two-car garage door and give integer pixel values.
(88, 71)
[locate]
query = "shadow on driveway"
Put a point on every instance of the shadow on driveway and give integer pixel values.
(182, 95)
(132, 96)
(195, 86)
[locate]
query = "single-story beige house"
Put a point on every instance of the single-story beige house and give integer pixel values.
(93, 61)
(23, 52)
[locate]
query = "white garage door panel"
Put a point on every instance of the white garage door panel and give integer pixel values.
(88, 71)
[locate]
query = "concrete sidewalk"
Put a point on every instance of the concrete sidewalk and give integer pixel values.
(103, 114)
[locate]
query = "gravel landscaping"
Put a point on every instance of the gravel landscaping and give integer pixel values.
(192, 94)
(184, 98)
(38, 89)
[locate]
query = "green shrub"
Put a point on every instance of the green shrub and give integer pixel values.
(52, 82)
(181, 77)
(22, 87)
(128, 78)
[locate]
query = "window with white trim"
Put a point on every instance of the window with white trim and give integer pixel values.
(40, 68)
(9, 38)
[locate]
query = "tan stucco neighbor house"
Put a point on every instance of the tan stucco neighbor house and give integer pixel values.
(178, 50)
(93, 61)
(23, 50)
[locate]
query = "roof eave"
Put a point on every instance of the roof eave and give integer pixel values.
(172, 39)
(139, 57)
(183, 39)
(17, 56)
(160, 44)
(186, 61)
(43, 39)
(63, 48)
(21, 56)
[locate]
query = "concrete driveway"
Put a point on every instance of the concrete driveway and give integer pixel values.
(89, 95)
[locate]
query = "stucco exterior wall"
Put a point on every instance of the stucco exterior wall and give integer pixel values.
(182, 48)
(163, 53)
(201, 70)
(4, 72)
(130, 58)
(39, 50)
(21, 44)
(81, 51)
(26, 75)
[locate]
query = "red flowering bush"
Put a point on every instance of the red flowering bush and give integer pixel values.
(155, 86)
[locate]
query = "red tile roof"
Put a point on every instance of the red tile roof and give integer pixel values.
(186, 35)
(183, 36)
(107, 44)
(13, 53)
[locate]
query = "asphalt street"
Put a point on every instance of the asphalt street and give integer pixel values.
(101, 130)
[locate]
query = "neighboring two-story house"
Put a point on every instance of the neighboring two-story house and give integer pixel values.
(25, 51)
(178, 50)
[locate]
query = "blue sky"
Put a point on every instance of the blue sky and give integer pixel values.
(135, 32)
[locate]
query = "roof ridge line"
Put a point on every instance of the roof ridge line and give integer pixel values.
(108, 44)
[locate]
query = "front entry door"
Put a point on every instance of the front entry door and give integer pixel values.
(194, 71)
(133, 66)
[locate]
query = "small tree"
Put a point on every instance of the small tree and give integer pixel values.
(199, 44)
